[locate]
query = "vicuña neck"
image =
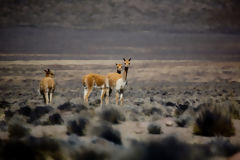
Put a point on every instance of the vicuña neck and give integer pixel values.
(125, 73)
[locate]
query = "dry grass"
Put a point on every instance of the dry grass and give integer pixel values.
(214, 121)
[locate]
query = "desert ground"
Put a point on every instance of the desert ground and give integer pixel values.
(162, 101)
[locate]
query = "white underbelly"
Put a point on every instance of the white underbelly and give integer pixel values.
(120, 84)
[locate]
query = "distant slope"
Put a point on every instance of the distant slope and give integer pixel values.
(164, 15)
(54, 43)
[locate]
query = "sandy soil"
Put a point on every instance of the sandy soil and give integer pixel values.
(160, 84)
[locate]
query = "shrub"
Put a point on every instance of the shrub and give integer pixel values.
(77, 126)
(234, 109)
(222, 147)
(26, 111)
(213, 122)
(17, 131)
(168, 148)
(154, 129)
(55, 119)
(89, 154)
(31, 149)
(106, 131)
(3, 125)
(112, 115)
(151, 111)
(68, 106)
(183, 121)
(4, 104)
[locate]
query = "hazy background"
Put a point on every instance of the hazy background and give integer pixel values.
(111, 29)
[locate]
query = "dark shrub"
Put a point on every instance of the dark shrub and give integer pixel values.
(89, 154)
(183, 121)
(213, 122)
(107, 132)
(151, 111)
(170, 104)
(112, 115)
(4, 104)
(8, 114)
(26, 111)
(41, 110)
(30, 149)
(80, 107)
(55, 119)
(66, 106)
(166, 149)
(234, 109)
(13, 150)
(77, 126)
(182, 108)
(38, 112)
(154, 129)
(222, 147)
(3, 125)
(17, 131)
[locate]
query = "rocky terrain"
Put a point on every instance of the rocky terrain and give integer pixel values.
(172, 110)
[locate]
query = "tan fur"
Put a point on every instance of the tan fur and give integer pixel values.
(47, 86)
(112, 79)
(92, 79)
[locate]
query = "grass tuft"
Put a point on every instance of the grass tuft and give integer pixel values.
(214, 122)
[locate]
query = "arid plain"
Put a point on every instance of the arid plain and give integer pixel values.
(167, 94)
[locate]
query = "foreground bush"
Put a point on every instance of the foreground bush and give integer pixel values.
(214, 122)
(234, 109)
(31, 149)
(77, 126)
(112, 115)
(105, 130)
(154, 128)
(17, 131)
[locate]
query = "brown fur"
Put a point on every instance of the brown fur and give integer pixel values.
(47, 86)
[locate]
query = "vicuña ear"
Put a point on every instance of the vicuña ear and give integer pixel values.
(48, 70)
(116, 64)
(129, 59)
(124, 59)
(45, 70)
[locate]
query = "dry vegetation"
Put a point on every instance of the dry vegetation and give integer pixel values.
(167, 112)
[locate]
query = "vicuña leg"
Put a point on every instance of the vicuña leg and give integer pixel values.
(121, 97)
(107, 95)
(50, 97)
(85, 94)
(102, 95)
(88, 92)
(117, 97)
(46, 97)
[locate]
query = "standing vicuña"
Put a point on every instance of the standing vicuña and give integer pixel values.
(47, 86)
(96, 80)
(118, 81)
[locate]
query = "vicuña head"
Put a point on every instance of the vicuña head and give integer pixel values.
(126, 62)
(119, 68)
(47, 86)
(49, 73)
(118, 81)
